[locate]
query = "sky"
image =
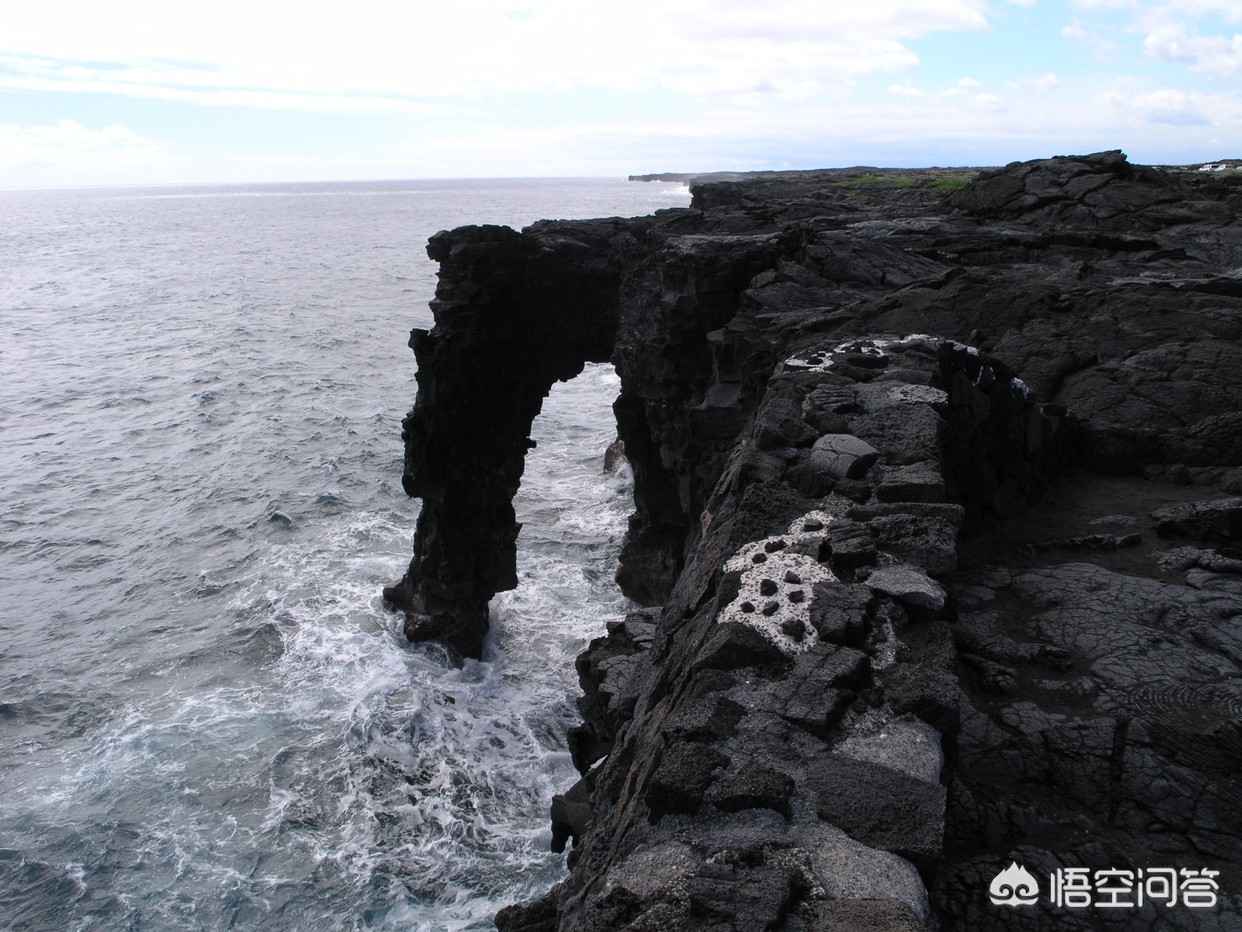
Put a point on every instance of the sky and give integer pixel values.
(148, 91)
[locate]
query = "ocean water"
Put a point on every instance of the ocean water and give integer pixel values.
(208, 718)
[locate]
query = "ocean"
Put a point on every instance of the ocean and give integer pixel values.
(209, 719)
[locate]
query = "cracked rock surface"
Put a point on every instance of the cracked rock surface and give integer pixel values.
(935, 546)
(1101, 701)
(788, 737)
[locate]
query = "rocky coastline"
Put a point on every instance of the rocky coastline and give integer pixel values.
(935, 538)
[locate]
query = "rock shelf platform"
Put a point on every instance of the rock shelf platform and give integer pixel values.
(936, 538)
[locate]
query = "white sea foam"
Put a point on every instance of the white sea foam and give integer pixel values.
(211, 718)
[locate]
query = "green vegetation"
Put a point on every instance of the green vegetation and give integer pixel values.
(895, 180)
(941, 181)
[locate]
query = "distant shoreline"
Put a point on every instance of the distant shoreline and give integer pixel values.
(688, 178)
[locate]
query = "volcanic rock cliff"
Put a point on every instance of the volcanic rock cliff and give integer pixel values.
(933, 528)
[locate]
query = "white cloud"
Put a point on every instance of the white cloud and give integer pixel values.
(1167, 106)
(190, 88)
(966, 89)
(964, 86)
(387, 55)
(1228, 10)
(811, 20)
(1041, 85)
(70, 144)
(1219, 56)
(686, 85)
(902, 124)
(1074, 30)
(1185, 32)
(1094, 5)
(1102, 48)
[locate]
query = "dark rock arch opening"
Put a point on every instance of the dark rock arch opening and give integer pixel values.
(822, 366)
(515, 313)
(513, 316)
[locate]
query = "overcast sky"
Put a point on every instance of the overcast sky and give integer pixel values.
(128, 91)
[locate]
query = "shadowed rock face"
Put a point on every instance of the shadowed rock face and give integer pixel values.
(513, 317)
(932, 522)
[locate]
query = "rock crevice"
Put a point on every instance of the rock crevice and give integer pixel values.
(933, 529)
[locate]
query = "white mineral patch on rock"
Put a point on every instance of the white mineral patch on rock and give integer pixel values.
(821, 360)
(817, 361)
(869, 347)
(811, 527)
(778, 575)
(908, 341)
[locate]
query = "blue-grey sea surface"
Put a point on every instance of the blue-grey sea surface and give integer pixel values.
(207, 717)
